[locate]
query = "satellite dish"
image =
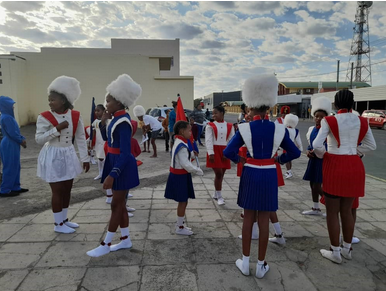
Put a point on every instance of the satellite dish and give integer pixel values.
(365, 4)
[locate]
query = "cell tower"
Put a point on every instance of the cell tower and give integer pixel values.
(360, 45)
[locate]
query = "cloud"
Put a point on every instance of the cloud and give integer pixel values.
(22, 6)
(179, 30)
(212, 44)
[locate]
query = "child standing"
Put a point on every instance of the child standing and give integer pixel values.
(151, 124)
(321, 107)
(120, 172)
(58, 163)
(258, 191)
(217, 136)
(99, 142)
(291, 121)
(180, 174)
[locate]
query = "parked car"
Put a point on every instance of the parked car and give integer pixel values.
(189, 111)
(158, 112)
(376, 117)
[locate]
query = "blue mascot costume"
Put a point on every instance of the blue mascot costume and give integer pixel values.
(10, 149)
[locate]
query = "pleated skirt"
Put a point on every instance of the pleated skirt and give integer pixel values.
(343, 175)
(314, 171)
(218, 162)
(179, 187)
(258, 189)
(128, 177)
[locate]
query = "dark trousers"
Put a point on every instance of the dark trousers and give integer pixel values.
(167, 137)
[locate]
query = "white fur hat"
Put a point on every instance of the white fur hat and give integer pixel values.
(125, 90)
(321, 103)
(139, 111)
(291, 120)
(68, 86)
(260, 91)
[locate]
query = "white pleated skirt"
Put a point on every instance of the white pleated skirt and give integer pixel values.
(56, 164)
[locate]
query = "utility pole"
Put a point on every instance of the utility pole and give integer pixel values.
(337, 76)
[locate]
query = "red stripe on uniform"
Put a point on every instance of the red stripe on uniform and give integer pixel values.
(178, 171)
(114, 151)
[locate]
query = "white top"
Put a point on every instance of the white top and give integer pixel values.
(98, 137)
(308, 135)
(47, 133)
(182, 160)
(296, 139)
(221, 140)
(154, 123)
(349, 127)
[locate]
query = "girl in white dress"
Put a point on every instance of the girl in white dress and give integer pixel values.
(99, 142)
(58, 164)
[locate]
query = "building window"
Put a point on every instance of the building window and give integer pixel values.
(1, 81)
(0, 74)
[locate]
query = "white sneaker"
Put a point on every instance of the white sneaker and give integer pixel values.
(188, 228)
(130, 214)
(313, 211)
(130, 209)
(354, 240)
(261, 270)
(288, 175)
(124, 244)
(62, 228)
(253, 237)
(330, 255)
(220, 201)
(243, 269)
(346, 253)
(109, 200)
(278, 239)
(181, 230)
(214, 196)
(71, 224)
(102, 250)
(129, 195)
(98, 177)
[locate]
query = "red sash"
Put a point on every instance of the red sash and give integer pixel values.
(114, 151)
(261, 162)
(75, 115)
(280, 120)
(213, 125)
(178, 171)
(333, 124)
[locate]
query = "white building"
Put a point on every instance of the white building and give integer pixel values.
(154, 64)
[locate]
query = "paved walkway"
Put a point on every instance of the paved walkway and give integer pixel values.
(33, 257)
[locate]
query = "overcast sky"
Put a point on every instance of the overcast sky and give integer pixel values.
(222, 43)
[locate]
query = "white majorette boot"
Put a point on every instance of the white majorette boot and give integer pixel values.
(278, 239)
(182, 230)
(333, 254)
(59, 224)
(125, 241)
(65, 219)
(261, 269)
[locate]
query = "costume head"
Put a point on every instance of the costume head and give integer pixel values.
(67, 86)
(139, 111)
(291, 120)
(285, 110)
(260, 91)
(6, 106)
(125, 90)
(321, 104)
(344, 99)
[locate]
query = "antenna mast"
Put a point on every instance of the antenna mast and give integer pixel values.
(360, 45)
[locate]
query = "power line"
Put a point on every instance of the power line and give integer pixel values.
(321, 74)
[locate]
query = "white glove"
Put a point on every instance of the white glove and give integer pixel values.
(199, 172)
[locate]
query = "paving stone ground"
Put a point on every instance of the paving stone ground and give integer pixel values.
(33, 257)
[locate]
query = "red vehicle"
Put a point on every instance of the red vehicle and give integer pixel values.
(376, 117)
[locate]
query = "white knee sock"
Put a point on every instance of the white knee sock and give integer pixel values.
(100, 166)
(277, 228)
(180, 221)
(64, 213)
(125, 232)
(316, 205)
(109, 237)
(58, 217)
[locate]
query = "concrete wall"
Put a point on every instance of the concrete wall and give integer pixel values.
(94, 71)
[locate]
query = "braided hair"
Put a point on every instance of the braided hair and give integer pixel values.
(344, 99)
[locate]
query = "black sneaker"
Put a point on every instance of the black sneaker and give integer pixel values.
(10, 194)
